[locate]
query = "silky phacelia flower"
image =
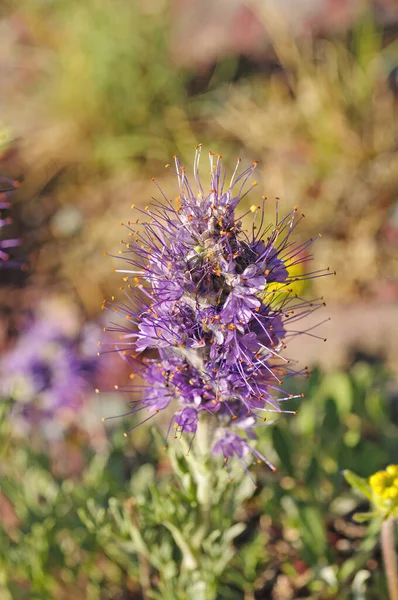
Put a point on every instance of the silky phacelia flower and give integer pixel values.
(210, 302)
(7, 187)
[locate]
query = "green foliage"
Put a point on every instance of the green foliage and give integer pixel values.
(129, 523)
(342, 422)
(358, 483)
(79, 536)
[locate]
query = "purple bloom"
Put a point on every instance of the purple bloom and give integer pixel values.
(7, 187)
(187, 419)
(49, 369)
(198, 295)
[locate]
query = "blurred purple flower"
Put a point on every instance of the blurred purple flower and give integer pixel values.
(50, 369)
(7, 187)
(199, 293)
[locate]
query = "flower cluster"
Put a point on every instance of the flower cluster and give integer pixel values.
(7, 187)
(212, 300)
(384, 486)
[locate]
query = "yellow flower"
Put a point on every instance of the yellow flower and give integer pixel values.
(275, 292)
(384, 486)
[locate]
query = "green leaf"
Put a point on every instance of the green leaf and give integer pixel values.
(358, 483)
(282, 445)
(331, 421)
(85, 519)
(189, 561)
(349, 567)
(358, 585)
(197, 591)
(339, 387)
(352, 438)
(362, 517)
(233, 532)
(313, 531)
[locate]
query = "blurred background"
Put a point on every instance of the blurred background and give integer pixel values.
(96, 96)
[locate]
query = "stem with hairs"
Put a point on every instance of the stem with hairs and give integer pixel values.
(204, 474)
(390, 556)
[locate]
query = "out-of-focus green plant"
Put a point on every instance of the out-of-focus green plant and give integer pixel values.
(103, 532)
(46, 551)
(120, 527)
(172, 532)
(343, 421)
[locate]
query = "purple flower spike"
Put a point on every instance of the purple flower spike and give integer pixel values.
(7, 187)
(213, 301)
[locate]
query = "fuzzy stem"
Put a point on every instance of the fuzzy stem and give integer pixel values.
(204, 476)
(390, 557)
